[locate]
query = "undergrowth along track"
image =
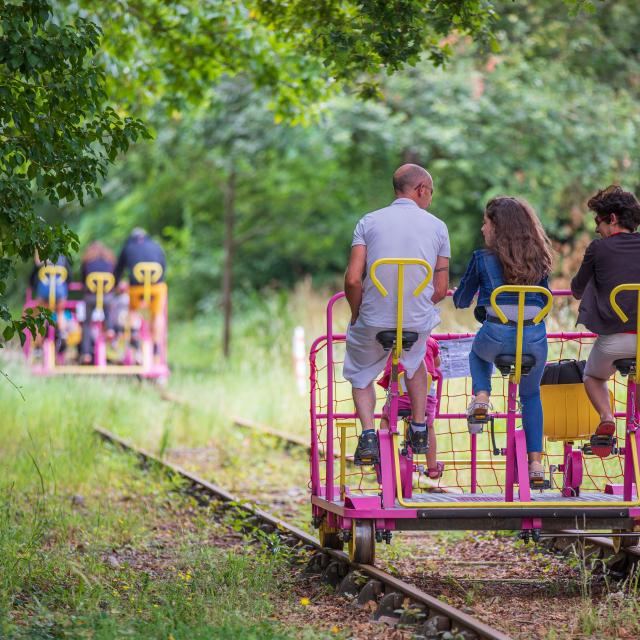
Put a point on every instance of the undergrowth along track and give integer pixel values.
(619, 557)
(397, 601)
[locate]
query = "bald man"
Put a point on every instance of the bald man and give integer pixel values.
(404, 229)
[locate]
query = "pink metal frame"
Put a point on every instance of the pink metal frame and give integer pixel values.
(516, 468)
(158, 369)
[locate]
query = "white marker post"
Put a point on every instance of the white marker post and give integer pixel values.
(299, 361)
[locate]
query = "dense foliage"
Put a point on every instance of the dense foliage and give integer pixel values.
(56, 134)
(549, 127)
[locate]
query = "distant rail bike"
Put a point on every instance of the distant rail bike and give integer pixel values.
(125, 349)
(485, 484)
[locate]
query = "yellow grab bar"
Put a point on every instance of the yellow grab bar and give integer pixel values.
(149, 273)
(400, 263)
(100, 282)
(48, 273)
(521, 290)
(623, 316)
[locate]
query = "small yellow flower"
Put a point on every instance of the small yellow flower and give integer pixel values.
(335, 629)
(305, 602)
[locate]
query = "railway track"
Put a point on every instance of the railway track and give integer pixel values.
(397, 602)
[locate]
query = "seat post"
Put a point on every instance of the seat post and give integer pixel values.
(516, 469)
(632, 426)
(388, 473)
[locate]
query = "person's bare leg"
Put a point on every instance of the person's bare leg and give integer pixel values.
(384, 422)
(417, 388)
(598, 392)
(365, 401)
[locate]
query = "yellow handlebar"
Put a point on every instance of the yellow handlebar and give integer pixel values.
(625, 318)
(149, 273)
(100, 282)
(521, 290)
(400, 263)
(49, 273)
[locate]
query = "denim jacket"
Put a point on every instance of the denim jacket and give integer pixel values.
(484, 273)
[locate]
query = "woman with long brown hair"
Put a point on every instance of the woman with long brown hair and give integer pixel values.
(517, 252)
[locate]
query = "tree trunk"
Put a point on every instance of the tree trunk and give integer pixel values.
(229, 250)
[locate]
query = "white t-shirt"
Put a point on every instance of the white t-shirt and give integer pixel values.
(401, 230)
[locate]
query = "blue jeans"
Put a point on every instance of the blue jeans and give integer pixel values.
(494, 339)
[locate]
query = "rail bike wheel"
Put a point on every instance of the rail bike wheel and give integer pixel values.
(329, 537)
(623, 542)
(362, 544)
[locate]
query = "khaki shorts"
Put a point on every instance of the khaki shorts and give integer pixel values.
(366, 358)
(605, 350)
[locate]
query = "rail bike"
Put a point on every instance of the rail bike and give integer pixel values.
(484, 483)
(120, 339)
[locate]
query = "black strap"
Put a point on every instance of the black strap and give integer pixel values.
(510, 323)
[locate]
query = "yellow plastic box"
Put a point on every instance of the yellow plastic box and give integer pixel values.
(568, 413)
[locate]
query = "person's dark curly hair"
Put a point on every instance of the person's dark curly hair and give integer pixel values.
(614, 199)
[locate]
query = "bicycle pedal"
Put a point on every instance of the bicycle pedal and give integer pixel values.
(539, 484)
(600, 445)
(369, 461)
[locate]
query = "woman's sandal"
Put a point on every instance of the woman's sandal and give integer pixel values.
(434, 473)
(536, 472)
(477, 411)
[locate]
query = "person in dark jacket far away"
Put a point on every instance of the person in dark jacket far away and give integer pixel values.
(139, 248)
(611, 260)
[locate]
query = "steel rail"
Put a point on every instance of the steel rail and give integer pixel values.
(414, 593)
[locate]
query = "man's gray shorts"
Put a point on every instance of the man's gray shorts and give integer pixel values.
(366, 358)
(605, 350)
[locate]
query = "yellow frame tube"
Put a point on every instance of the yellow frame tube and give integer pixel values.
(623, 316)
(507, 505)
(100, 282)
(51, 271)
(149, 273)
(400, 263)
(521, 290)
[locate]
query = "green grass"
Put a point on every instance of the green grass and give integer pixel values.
(67, 504)
(55, 577)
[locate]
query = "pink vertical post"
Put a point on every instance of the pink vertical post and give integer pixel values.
(511, 442)
(524, 490)
(474, 463)
(49, 349)
(630, 432)
(315, 461)
(388, 480)
(330, 408)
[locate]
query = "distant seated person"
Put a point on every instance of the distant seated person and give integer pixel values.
(50, 279)
(138, 249)
(97, 259)
(432, 362)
